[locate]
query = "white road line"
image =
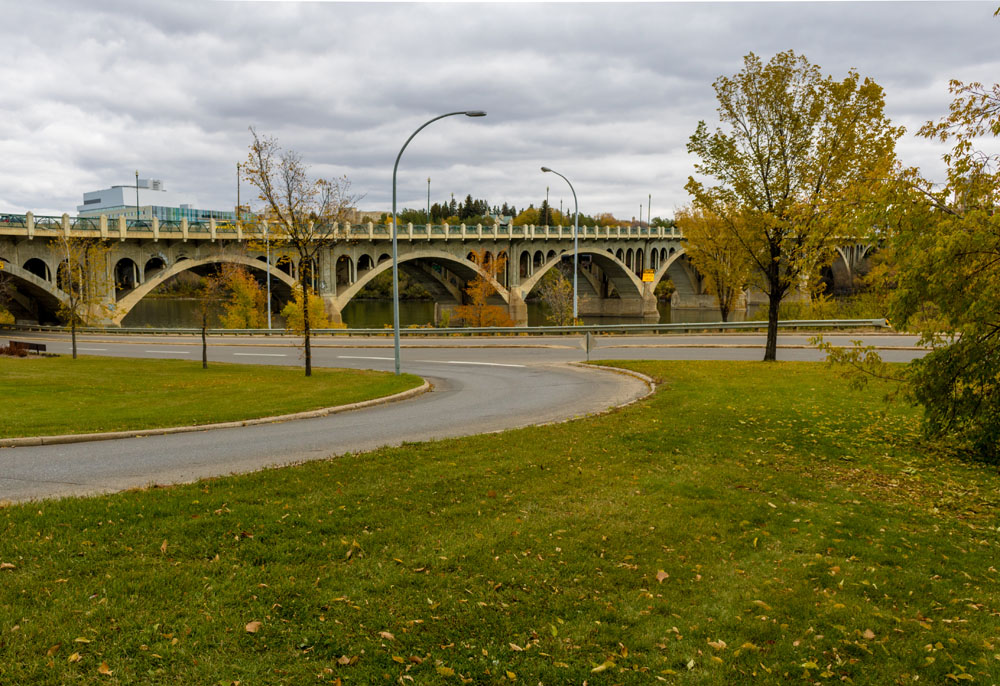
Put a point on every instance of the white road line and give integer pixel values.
(261, 354)
(363, 357)
(481, 364)
(92, 350)
(170, 352)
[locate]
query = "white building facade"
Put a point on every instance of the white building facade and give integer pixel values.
(151, 199)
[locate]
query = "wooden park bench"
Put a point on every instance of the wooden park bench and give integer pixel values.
(30, 347)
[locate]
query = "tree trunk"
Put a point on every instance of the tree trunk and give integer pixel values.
(204, 339)
(773, 303)
(305, 327)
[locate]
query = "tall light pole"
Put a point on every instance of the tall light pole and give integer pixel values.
(137, 197)
(428, 203)
(267, 243)
(576, 242)
(395, 254)
(649, 211)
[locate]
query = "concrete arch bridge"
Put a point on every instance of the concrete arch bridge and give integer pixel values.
(144, 254)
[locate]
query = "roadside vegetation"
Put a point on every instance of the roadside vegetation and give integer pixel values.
(750, 523)
(45, 396)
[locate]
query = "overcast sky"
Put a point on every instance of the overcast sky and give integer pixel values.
(607, 94)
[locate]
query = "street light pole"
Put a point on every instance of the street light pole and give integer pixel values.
(137, 197)
(428, 202)
(267, 242)
(576, 242)
(395, 253)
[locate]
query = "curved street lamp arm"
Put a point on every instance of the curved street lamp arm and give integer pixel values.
(400, 155)
(395, 258)
(576, 242)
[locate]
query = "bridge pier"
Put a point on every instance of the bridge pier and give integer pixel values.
(517, 309)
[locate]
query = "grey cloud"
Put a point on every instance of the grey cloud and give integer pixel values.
(607, 93)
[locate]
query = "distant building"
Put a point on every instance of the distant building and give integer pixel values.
(153, 201)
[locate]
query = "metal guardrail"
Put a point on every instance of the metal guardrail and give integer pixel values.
(680, 327)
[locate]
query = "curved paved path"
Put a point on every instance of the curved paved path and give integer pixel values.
(484, 384)
(466, 399)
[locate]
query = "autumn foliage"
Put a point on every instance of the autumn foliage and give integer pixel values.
(477, 311)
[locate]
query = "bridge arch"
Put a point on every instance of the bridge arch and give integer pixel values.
(34, 287)
(38, 267)
(681, 273)
(624, 280)
(153, 265)
(463, 267)
(130, 299)
(126, 275)
(524, 264)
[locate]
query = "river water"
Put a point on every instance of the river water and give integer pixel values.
(165, 312)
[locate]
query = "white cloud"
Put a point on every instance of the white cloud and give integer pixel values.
(606, 93)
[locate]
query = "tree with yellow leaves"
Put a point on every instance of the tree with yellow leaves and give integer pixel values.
(785, 176)
(477, 311)
(715, 253)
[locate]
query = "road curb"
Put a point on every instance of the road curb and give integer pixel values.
(310, 414)
(648, 380)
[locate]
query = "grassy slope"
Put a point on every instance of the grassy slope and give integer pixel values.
(806, 543)
(59, 395)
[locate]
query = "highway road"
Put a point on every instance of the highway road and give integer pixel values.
(479, 385)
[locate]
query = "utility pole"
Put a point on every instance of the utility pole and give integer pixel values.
(237, 192)
(137, 196)
(428, 201)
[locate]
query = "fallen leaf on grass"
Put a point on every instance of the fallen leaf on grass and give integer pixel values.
(514, 646)
(345, 660)
(661, 575)
(7, 565)
(387, 636)
(510, 675)
(446, 671)
(869, 634)
(253, 627)
(53, 650)
(81, 640)
(104, 669)
(163, 547)
(75, 657)
(603, 666)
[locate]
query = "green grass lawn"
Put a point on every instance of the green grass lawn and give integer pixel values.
(44, 396)
(748, 523)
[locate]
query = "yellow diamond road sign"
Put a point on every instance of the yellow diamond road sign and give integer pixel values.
(647, 275)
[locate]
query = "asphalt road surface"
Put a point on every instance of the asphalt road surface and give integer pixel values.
(480, 385)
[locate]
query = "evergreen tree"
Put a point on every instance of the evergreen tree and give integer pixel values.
(545, 214)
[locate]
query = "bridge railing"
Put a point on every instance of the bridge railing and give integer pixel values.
(49, 226)
(678, 327)
(13, 221)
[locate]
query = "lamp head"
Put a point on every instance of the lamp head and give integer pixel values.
(546, 169)
(475, 113)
